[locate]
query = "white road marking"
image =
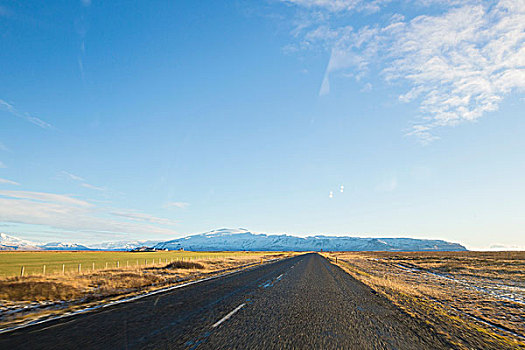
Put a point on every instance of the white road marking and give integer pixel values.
(130, 299)
(216, 324)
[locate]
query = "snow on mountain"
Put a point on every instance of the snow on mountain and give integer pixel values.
(123, 245)
(13, 243)
(241, 239)
(63, 246)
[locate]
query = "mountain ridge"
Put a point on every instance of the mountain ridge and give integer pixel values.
(242, 239)
(225, 239)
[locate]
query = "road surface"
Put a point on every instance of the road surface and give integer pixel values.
(298, 303)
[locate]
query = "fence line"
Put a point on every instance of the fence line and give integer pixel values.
(76, 267)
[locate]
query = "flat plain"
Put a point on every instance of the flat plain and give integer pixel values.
(474, 299)
(11, 262)
(387, 300)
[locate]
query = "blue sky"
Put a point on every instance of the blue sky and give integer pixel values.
(154, 120)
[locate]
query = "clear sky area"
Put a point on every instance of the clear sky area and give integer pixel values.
(124, 120)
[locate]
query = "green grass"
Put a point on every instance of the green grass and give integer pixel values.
(33, 262)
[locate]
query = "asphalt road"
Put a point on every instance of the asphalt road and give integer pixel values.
(298, 303)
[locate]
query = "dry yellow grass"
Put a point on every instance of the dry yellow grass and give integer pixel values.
(455, 293)
(73, 290)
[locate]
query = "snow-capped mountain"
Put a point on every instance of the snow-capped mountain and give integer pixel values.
(123, 245)
(63, 246)
(241, 239)
(13, 243)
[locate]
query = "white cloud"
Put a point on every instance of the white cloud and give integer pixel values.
(176, 205)
(458, 65)
(8, 182)
(64, 212)
(13, 111)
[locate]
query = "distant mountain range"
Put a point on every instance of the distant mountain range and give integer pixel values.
(14, 243)
(241, 239)
(123, 245)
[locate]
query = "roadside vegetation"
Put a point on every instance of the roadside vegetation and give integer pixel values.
(474, 299)
(33, 295)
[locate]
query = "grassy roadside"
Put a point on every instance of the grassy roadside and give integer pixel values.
(466, 317)
(23, 299)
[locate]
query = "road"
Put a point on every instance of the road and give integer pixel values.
(302, 302)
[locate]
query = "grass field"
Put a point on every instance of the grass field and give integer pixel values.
(33, 262)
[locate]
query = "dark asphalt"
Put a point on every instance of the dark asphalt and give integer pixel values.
(298, 303)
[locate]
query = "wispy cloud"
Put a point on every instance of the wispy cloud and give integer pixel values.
(8, 182)
(458, 65)
(82, 29)
(93, 187)
(82, 181)
(137, 216)
(341, 5)
(65, 212)
(176, 205)
(46, 197)
(72, 176)
(8, 107)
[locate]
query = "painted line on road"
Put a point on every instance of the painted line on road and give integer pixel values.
(216, 324)
(271, 282)
(130, 299)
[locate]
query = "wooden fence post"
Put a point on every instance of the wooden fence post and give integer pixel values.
(63, 269)
(106, 264)
(118, 264)
(22, 272)
(79, 268)
(44, 270)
